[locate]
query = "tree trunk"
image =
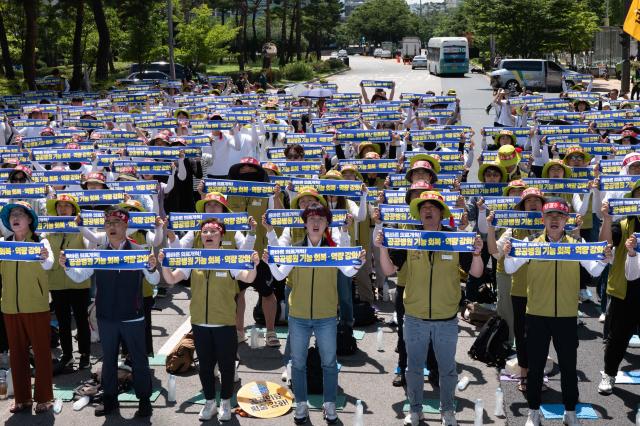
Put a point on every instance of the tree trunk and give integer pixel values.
(103, 56)
(299, 30)
(242, 58)
(6, 56)
(76, 79)
(267, 22)
(283, 34)
(31, 37)
(292, 26)
(254, 35)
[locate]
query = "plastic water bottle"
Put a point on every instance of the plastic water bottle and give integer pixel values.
(359, 419)
(499, 410)
(289, 371)
(479, 409)
(253, 340)
(463, 383)
(81, 403)
(57, 406)
(9, 383)
(3, 384)
(380, 339)
(171, 388)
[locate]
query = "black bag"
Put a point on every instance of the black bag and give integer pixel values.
(363, 314)
(258, 313)
(314, 372)
(491, 345)
(346, 343)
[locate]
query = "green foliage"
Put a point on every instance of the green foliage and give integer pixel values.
(382, 20)
(297, 71)
(203, 40)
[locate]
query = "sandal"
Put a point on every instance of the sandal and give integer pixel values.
(43, 407)
(522, 385)
(18, 407)
(272, 339)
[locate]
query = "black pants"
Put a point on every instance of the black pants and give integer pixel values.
(519, 329)
(564, 332)
(148, 338)
(216, 345)
(64, 301)
(432, 363)
(473, 285)
(624, 319)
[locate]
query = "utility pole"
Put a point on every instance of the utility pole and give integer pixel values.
(625, 40)
(172, 64)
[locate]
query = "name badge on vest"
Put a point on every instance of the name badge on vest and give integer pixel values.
(221, 274)
(446, 257)
(256, 203)
(226, 243)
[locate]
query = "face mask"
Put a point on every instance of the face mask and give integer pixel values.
(252, 176)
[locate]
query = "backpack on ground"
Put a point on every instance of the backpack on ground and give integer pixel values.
(491, 345)
(346, 343)
(314, 372)
(181, 358)
(363, 314)
(478, 314)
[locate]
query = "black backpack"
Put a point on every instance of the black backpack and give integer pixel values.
(346, 343)
(491, 345)
(314, 372)
(363, 314)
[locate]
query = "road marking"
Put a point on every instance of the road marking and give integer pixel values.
(175, 337)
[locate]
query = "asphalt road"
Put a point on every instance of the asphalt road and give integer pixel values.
(367, 375)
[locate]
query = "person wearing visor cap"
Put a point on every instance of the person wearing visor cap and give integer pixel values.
(552, 309)
(120, 313)
(431, 301)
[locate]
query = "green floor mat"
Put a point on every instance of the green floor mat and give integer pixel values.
(429, 406)
(157, 360)
(130, 396)
(315, 402)
(65, 394)
(199, 399)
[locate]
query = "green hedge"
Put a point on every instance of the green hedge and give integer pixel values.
(298, 71)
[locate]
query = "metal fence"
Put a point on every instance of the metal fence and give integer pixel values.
(607, 48)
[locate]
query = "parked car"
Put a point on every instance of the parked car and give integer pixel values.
(342, 53)
(182, 72)
(419, 61)
(377, 52)
(540, 74)
(385, 54)
(144, 76)
(334, 55)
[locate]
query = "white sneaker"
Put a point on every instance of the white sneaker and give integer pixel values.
(602, 318)
(224, 413)
(449, 418)
(329, 412)
(413, 419)
(570, 418)
(606, 384)
(301, 415)
(284, 377)
(209, 410)
(533, 419)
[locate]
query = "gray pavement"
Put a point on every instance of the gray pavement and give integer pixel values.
(368, 374)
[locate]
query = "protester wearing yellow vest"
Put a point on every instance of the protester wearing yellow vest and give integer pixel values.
(25, 305)
(66, 294)
(624, 294)
(531, 199)
(431, 300)
(213, 319)
(312, 309)
(552, 310)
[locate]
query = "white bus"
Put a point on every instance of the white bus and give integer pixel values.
(448, 55)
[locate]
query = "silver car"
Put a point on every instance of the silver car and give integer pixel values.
(419, 61)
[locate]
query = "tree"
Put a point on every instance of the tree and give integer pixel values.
(103, 55)
(76, 79)
(203, 40)
(29, 50)
(267, 22)
(319, 23)
(381, 20)
(577, 30)
(144, 23)
(6, 54)
(283, 34)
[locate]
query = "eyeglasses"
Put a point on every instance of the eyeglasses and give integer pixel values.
(113, 223)
(574, 157)
(18, 214)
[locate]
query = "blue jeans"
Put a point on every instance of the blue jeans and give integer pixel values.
(444, 337)
(345, 299)
(325, 331)
(287, 346)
